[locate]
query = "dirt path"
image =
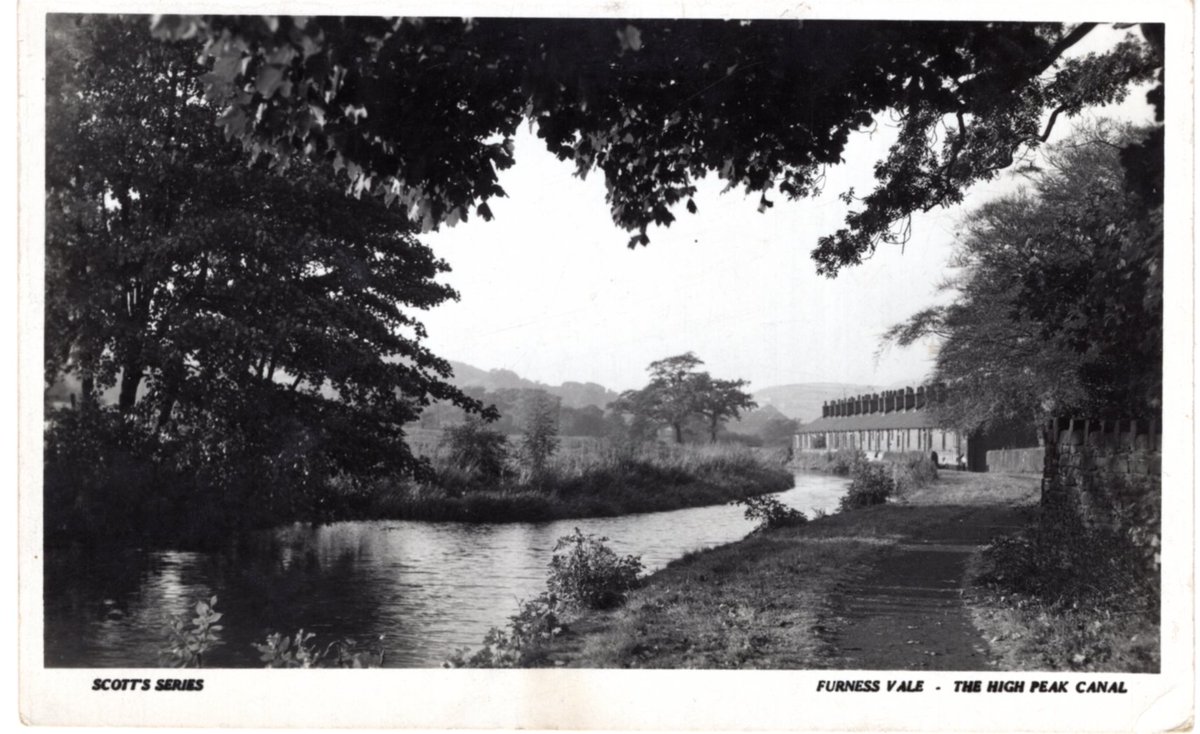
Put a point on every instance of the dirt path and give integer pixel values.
(876, 589)
(907, 613)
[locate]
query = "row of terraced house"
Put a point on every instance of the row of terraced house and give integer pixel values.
(900, 421)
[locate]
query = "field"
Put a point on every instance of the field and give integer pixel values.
(584, 477)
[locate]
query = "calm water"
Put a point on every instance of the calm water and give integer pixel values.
(427, 588)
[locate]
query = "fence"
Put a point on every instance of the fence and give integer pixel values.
(1017, 461)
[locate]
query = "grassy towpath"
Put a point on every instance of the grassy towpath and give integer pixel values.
(880, 588)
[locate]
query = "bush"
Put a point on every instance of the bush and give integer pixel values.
(1064, 562)
(586, 573)
(281, 651)
(476, 449)
(913, 471)
(770, 513)
(187, 644)
(869, 485)
(522, 644)
(837, 462)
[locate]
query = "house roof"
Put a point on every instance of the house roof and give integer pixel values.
(871, 421)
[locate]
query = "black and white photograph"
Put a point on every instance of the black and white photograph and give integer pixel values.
(853, 349)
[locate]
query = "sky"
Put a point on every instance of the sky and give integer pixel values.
(550, 290)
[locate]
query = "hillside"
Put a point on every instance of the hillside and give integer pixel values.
(573, 394)
(802, 401)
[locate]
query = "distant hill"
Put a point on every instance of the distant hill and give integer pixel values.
(573, 394)
(803, 401)
(756, 420)
(800, 401)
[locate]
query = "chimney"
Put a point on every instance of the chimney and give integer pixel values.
(825, 409)
(910, 399)
(920, 397)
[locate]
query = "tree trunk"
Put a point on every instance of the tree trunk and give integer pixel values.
(131, 377)
(712, 429)
(678, 432)
(87, 392)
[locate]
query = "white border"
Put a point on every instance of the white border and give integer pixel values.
(674, 700)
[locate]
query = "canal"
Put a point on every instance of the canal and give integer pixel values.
(423, 589)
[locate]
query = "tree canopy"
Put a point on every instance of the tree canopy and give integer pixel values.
(1058, 307)
(251, 319)
(678, 394)
(423, 111)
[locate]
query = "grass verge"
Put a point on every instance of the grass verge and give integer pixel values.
(768, 601)
(1086, 600)
(604, 484)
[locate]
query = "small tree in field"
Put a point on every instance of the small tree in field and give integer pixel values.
(719, 400)
(539, 439)
(475, 448)
(678, 394)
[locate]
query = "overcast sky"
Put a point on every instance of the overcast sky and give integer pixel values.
(550, 290)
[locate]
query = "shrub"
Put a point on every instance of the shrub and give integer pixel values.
(913, 471)
(522, 644)
(869, 485)
(1064, 562)
(770, 513)
(187, 644)
(839, 462)
(586, 573)
(281, 651)
(476, 449)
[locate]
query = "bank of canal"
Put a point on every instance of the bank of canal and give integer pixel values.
(880, 588)
(425, 588)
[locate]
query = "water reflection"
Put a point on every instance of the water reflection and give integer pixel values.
(428, 588)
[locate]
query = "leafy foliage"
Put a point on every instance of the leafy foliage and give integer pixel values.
(1064, 563)
(677, 394)
(423, 111)
(1059, 301)
(476, 449)
(522, 644)
(869, 485)
(540, 436)
(586, 573)
(770, 513)
(281, 651)
(257, 327)
(188, 642)
(298, 651)
(718, 400)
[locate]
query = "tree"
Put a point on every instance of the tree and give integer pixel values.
(423, 111)
(719, 400)
(539, 437)
(678, 394)
(1059, 302)
(476, 448)
(255, 322)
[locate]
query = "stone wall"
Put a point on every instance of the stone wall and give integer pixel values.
(1017, 461)
(1102, 472)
